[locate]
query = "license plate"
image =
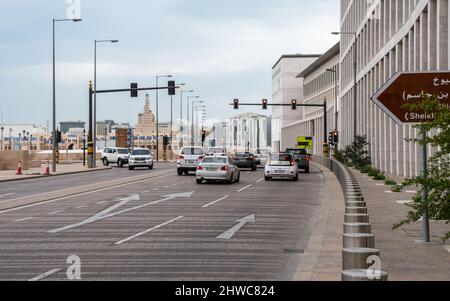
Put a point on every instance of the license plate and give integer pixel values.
(279, 171)
(190, 161)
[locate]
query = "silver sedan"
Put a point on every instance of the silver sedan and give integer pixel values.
(218, 169)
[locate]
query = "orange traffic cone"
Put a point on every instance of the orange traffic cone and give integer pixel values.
(47, 170)
(19, 169)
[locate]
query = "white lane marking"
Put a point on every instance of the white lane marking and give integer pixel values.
(148, 231)
(447, 248)
(45, 275)
(81, 194)
(246, 187)
(387, 191)
(6, 194)
(380, 184)
(241, 223)
(260, 180)
(55, 212)
(217, 201)
(24, 219)
(80, 207)
(104, 214)
(411, 191)
(404, 202)
(100, 203)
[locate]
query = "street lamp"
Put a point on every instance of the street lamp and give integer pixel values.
(188, 99)
(54, 89)
(94, 109)
(10, 139)
(181, 113)
(2, 129)
(171, 118)
(157, 112)
(355, 70)
(194, 131)
(193, 118)
(336, 95)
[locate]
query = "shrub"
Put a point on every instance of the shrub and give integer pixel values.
(365, 169)
(373, 172)
(380, 177)
(397, 188)
(390, 182)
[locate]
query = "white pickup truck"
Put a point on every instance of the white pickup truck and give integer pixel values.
(115, 155)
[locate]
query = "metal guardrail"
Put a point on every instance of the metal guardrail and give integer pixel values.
(360, 259)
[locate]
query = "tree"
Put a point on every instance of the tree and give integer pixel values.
(358, 152)
(437, 180)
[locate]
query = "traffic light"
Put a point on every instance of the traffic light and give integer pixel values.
(134, 91)
(166, 140)
(264, 104)
(58, 137)
(331, 138)
(335, 137)
(171, 85)
(294, 104)
(236, 104)
(203, 136)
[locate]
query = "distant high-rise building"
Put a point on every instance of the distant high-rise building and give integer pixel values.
(247, 132)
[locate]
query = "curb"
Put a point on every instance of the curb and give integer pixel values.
(33, 177)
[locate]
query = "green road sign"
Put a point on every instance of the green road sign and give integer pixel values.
(305, 142)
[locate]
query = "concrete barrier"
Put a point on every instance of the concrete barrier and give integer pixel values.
(356, 258)
(357, 228)
(355, 204)
(359, 240)
(356, 218)
(356, 210)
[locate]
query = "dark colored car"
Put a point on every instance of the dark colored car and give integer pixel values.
(246, 160)
(301, 157)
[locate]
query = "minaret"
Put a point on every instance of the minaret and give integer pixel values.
(147, 104)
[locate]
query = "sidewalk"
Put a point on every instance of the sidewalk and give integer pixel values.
(402, 257)
(322, 259)
(62, 169)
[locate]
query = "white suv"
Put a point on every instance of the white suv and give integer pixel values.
(115, 155)
(140, 157)
(189, 158)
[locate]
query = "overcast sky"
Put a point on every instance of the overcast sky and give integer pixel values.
(221, 49)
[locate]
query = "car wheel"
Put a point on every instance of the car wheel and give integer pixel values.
(296, 178)
(238, 178)
(186, 173)
(267, 178)
(130, 168)
(120, 163)
(254, 168)
(180, 172)
(105, 162)
(230, 181)
(307, 170)
(199, 181)
(150, 167)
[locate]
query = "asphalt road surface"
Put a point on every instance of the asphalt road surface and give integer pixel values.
(163, 228)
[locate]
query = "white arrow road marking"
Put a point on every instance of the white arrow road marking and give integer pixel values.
(148, 230)
(42, 276)
(231, 232)
(105, 213)
(246, 187)
(6, 194)
(260, 180)
(217, 201)
(56, 212)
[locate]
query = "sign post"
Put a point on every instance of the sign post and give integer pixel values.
(410, 87)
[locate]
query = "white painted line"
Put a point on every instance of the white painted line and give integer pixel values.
(379, 184)
(411, 191)
(148, 230)
(24, 219)
(80, 207)
(81, 194)
(246, 187)
(404, 202)
(6, 194)
(215, 202)
(447, 247)
(45, 275)
(100, 203)
(260, 180)
(387, 191)
(56, 212)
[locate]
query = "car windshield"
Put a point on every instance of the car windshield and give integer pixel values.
(243, 155)
(122, 151)
(192, 151)
(296, 151)
(141, 152)
(216, 151)
(212, 160)
(282, 157)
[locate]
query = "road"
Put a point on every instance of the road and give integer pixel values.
(161, 228)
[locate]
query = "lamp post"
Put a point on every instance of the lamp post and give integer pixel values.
(196, 123)
(335, 73)
(94, 109)
(55, 145)
(157, 112)
(181, 114)
(187, 112)
(10, 140)
(355, 70)
(193, 118)
(171, 121)
(2, 129)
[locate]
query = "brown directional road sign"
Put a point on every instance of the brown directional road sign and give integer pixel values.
(409, 87)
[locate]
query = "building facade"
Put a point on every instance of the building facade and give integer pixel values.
(247, 132)
(285, 87)
(391, 36)
(320, 84)
(65, 126)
